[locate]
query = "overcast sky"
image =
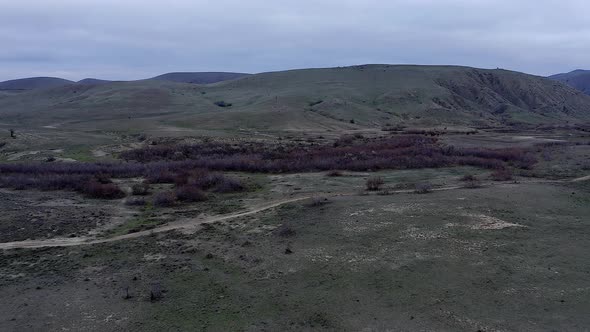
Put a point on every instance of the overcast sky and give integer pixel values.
(131, 39)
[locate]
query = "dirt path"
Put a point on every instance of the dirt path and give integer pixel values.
(191, 223)
(583, 178)
(182, 224)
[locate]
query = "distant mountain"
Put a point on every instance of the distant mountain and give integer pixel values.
(199, 77)
(310, 100)
(33, 83)
(579, 79)
(93, 81)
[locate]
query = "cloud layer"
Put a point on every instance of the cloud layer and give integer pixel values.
(134, 39)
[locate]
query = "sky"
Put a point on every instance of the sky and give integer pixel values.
(133, 39)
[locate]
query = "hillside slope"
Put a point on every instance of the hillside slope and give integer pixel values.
(93, 81)
(198, 77)
(370, 96)
(33, 83)
(579, 79)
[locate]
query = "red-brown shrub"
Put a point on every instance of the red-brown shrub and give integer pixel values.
(164, 199)
(501, 175)
(95, 189)
(188, 193)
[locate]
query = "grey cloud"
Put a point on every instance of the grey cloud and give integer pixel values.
(135, 39)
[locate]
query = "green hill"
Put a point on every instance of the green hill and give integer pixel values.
(370, 96)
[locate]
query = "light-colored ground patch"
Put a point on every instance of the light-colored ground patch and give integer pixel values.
(402, 208)
(154, 257)
(484, 222)
(19, 155)
(63, 202)
(415, 233)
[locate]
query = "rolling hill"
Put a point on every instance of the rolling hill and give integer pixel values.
(331, 99)
(33, 83)
(93, 81)
(579, 79)
(199, 77)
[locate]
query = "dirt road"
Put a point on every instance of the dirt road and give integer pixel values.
(192, 223)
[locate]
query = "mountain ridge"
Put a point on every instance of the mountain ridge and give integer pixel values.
(34, 83)
(332, 99)
(579, 79)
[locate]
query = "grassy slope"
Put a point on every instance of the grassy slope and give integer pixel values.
(372, 96)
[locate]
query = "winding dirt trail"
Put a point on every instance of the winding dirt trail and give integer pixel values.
(195, 222)
(181, 224)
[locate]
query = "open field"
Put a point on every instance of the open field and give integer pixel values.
(430, 249)
(366, 198)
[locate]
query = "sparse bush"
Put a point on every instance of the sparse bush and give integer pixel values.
(140, 189)
(469, 177)
(286, 231)
(164, 199)
(374, 183)
(188, 193)
(222, 103)
(160, 176)
(334, 173)
(473, 184)
(423, 188)
(319, 201)
(155, 291)
(228, 185)
(102, 178)
(501, 175)
(95, 189)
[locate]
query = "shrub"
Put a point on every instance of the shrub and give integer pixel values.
(374, 183)
(95, 189)
(188, 193)
(319, 201)
(102, 178)
(473, 184)
(501, 175)
(423, 188)
(228, 185)
(286, 231)
(140, 189)
(164, 199)
(160, 176)
(222, 103)
(334, 173)
(468, 178)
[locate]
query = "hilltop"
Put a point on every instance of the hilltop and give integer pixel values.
(579, 79)
(199, 78)
(37, 83)
(369, 96)
(33, 83)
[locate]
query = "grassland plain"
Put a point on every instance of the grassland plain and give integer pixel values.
(295, 246)
(456, 260)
